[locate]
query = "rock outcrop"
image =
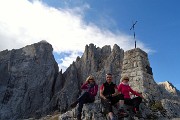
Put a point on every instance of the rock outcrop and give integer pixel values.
(171, 98)
(169, 87)
(28, 78)
(31, 85)
(136, 65)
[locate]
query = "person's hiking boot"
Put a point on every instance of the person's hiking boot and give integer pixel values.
(79, 117)
(122, 113)
(74, 104)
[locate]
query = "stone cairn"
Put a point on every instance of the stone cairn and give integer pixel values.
(136, 65)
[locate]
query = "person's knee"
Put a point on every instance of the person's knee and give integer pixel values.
(110, 113)
(109, 110)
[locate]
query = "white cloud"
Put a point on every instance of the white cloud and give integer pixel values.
(23, 22)
(66, 61)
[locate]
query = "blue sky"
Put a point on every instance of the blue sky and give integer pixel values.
(71, 24)
(158, 27)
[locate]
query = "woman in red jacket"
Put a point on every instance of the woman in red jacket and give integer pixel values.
(125, 89)
(90, 87)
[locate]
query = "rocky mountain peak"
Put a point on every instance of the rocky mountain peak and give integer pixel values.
(169, 87)
(32, 86)
(27, 80)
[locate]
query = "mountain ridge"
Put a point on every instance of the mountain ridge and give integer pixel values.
(32, 83)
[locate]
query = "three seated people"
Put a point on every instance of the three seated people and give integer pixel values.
(110, 95)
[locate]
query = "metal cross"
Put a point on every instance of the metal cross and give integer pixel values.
(134, 31)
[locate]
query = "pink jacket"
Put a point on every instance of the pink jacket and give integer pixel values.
(125, 90)
(92, 91)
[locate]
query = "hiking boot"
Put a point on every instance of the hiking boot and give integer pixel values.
(79, 117)
(74, 104)
(138, 114)
(122, 113)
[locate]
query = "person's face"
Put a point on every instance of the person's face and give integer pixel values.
(109, 78)
(125, 81)
(91, 81)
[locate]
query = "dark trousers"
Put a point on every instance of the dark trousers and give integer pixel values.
(135, 102)
(84, 98)
(108, 103)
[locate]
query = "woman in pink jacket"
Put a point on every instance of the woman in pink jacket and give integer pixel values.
(90, 87)
(125, 89)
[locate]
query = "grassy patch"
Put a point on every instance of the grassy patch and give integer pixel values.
(156, 106)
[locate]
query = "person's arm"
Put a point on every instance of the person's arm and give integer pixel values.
(135, 93)
(119, 88)
(84, 86)
(94, 92)
(101, 92)
(116, 91)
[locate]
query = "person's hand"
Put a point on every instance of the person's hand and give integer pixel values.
(86, 82)
(141, 96)
(113, 95)
(109, 96)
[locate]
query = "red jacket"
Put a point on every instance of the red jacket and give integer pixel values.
(93, 91)
(125, 90)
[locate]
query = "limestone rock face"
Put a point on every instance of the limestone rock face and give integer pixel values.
(169, 88)
(27, 80)
(172, 107)
(171, 98)
(91, 111)
(99, 61)
(31, 85)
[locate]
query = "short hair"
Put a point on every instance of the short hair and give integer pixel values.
(108, 74)
(124, 78)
